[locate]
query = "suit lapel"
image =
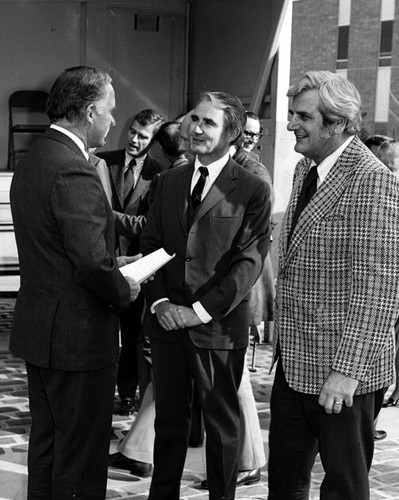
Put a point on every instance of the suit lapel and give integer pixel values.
(116, 170)
(182, 192)
(223, 185)
(323, 201)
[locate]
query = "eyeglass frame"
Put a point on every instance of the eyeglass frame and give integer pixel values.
(253, 135)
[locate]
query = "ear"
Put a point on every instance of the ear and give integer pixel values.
(90, 112)
(338, 127)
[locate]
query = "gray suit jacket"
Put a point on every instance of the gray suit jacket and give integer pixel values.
(219, 255)
(131, 216)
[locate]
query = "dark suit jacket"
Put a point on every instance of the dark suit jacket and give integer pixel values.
(218, 258)
(130, 217)
(66, 312)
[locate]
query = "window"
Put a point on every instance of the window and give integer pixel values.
(343, 44)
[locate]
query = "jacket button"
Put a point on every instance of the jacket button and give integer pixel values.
(188, 259)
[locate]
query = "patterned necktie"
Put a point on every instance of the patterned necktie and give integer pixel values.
(128, 179)
(308, 190)
(198, 188)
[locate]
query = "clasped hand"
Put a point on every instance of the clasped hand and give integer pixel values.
(174, 317)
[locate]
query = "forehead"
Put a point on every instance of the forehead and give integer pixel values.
(108, 98)
(146, 130)
(252, 124)
(307, 102)
(207, 110)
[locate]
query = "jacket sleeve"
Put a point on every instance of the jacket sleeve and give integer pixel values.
(82, 214)
(373, 305)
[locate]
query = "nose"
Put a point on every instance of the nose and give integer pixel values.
(196, 128)
(292, 125)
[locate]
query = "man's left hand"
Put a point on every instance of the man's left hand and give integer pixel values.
(123, 260)
(188, 316)
(337, 390)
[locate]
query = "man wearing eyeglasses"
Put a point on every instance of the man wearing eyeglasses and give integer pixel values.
(252, 133)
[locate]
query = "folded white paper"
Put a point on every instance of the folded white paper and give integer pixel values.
(142, 269)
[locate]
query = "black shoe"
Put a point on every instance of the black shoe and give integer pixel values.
(390, 402)
(378, 435)
(137, 468)
(244, 477)
(127, 407)
(195, 443)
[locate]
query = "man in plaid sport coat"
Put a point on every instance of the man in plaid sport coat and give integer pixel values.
(336, 299)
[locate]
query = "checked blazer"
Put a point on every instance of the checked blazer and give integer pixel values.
(338, 281)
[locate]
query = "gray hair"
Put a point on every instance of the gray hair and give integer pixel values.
(339, 98)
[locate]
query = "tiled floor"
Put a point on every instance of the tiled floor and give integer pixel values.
(15, 421)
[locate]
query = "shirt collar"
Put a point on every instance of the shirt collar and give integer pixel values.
(327, 164)
(73, 137)
(139, 161)
(214, 168)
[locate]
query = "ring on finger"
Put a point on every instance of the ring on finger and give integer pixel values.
(338, 403)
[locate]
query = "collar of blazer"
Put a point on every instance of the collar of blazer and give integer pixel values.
(56, 135)
(323, 201)
(225, 182)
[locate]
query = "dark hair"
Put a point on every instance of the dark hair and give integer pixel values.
(251, 114)
(73, 90)
(377, 140)
(168, 137)
(149, 117)
(234, 112)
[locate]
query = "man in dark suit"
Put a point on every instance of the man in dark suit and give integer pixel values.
(131, 172)
(215, 216)
(336, 298)
(66, 317)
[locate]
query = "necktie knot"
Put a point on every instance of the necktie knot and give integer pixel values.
(196, 195)
(204, 171)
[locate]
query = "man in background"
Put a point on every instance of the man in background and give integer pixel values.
(66, 317)
(131, 172)
(252, 134)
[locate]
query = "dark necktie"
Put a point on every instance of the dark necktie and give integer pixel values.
(198, 188)
(128, 179)
(308, 190)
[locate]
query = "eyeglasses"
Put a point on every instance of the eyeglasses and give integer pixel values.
(252, 135)
(378, 140)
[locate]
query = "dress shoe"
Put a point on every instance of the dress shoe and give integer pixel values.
(195, 443)
(127, 407)
(244, 477)
(390, 402)
(378, 435)
(137, 468)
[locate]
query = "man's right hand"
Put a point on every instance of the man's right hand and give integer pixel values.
(168, 316)
(134, 288)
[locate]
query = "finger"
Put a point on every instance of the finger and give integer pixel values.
(337, 406)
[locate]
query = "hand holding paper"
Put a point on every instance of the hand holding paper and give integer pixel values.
(145, 267)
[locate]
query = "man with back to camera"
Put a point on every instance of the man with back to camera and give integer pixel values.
(66, 316)
(336, 298)
(216, 217)
(131, 172)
